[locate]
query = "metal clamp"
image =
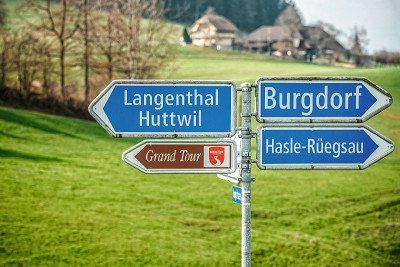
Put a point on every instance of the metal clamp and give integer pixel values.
(245, 166)
(247, 88)
(249, 135)
(246, 154)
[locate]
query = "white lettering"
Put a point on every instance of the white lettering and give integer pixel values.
(269, 97)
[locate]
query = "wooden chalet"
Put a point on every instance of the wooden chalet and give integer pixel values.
(213, 30)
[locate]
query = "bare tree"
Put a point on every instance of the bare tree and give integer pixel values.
(107, 34)
(3, 14)
(146, 38)
(6, 50)
(44, 48)
(85, 12)
(358, 40)
(330, 29)
(62, 23)
(26, 60)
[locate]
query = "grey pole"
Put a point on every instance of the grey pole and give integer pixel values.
(246, 174)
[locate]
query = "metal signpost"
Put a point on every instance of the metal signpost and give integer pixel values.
(311, 123)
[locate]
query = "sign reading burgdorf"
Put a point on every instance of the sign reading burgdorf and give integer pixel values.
(327, 99)
(164, 108)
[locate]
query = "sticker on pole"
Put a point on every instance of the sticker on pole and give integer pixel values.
(237, 194)
(167, 108)
(186, 156)
(346, 146)
(330, 99)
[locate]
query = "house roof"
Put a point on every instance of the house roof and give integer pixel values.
(289, 16)
(316, 36)
(221, 23)
(268, 34)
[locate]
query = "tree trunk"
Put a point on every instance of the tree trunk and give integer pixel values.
(86, 51)
(130, 48)
(3, 74)
(109, 49)
(62, 70)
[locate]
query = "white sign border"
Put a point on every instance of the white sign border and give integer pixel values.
(105, 123)
(136, 164)
(372, 111)
(374, 157)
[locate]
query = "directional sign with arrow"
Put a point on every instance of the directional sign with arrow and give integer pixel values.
(346, 146)
(162, 109)
(186, 156)
(322, 99)
(167, 108)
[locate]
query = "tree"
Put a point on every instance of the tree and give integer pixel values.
(107, 34)
(44, 48)
(358, 40)
(186, 36)
(62, 23)
(387, 57)
(145, 38)
(330, 29)
(7, 41)
(85, 12)
(3, 14)
(26, 60)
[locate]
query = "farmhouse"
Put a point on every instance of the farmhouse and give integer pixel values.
(290, 37)
(213, 30)
(284, 39)
(319, 42)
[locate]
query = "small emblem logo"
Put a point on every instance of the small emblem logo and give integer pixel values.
(216, 155)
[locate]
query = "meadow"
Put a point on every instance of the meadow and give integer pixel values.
(67, 197)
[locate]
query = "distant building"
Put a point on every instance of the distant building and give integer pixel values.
(274, 38)
(289, 17)
(290, 37)
(213, 30)
(320, 43)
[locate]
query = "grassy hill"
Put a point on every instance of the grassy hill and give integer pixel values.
(66, 196)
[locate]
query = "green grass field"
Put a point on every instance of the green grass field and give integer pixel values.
(66, 197)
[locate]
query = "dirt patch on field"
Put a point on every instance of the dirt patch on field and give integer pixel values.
(391, 115)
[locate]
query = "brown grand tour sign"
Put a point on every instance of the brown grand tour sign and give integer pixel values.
(182, 156)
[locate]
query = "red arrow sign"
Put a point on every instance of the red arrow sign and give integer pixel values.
(171, 156)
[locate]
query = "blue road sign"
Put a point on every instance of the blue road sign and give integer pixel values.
(347, 146)
(237, 194)
(328, 99)
(167, 109)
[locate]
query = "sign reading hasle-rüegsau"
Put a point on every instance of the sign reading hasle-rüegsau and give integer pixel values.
(345, 146)
(183, 156)
(330, 99)
(167, 108)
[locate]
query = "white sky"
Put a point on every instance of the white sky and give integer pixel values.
(381, 18)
